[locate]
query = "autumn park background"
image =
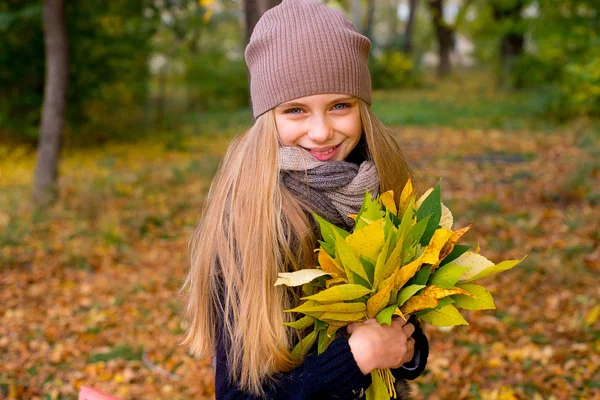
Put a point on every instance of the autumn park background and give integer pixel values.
(132, 104)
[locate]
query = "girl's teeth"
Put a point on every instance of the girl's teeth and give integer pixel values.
(324, 152)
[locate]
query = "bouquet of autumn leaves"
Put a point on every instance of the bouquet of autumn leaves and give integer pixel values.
(399, 260)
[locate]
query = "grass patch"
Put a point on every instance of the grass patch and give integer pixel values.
(465, 101)
(123, 352)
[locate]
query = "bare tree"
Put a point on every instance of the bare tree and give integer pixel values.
(508, 14)
(407, 45)
(254, 9)
(56, 43)
(445, 32)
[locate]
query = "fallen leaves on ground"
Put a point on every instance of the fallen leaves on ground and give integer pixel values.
(92, 286)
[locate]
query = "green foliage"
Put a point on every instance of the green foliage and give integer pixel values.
(562, 60)
(108, 50)
(215, 81)
(392, 69)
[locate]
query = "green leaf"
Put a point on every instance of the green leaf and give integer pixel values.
(408, 219)
(385, 315)
(369, 268)
(304, 346)
(445, 316)
(328, 231)
(407, 292)
(328, 247)
(420, 277)
(447, 276)
(431, 205)
(416, 233)
(481, 300)
(456, 252)
(299, 278)
(369, 211)
(324, 340)
(349, 258)
(302, 323)
(381, 259)
(339, 293)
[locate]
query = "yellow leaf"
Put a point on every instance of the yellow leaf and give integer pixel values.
(404, 274)
(387, 199)
(399, 313)
(392, 263)
(368, 241)
(380, 300)
(298, 278)
(449, 246)
(592, 316)
(313, 306)
(418, 303)
(328, 264)
(446, 219)
(339, 293)
(343, 316)
(406, 196)
(431, 255)
(349, 259)
(439, 293)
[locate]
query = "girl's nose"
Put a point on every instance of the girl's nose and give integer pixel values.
(320, 130)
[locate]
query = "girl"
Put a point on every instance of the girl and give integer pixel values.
(315, 146)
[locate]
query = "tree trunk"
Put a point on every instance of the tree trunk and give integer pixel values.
(443, 34)
(512, 41)
(55, 102)
(370, 20)
(407, 45)
(253, 10)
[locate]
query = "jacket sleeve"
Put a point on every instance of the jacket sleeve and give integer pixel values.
(414, 368)
(333, 374)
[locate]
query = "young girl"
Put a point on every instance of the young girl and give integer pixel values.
(315, 146)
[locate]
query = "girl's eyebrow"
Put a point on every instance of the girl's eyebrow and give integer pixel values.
(299, 104)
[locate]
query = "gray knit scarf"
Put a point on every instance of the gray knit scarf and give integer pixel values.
(333, 189)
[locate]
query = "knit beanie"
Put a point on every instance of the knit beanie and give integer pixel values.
(301, 48)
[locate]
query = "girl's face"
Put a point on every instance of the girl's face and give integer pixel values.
(327, 125)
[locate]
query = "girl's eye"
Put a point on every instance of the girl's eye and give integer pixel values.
(293, 111)
(341, 106)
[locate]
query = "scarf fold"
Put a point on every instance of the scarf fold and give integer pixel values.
(333, 189)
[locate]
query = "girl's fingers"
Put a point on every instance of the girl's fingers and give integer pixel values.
(408, 329)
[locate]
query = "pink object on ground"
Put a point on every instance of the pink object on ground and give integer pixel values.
(89, 393)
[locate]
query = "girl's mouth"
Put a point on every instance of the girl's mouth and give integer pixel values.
(325, 154)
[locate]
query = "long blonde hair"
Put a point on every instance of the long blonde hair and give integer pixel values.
(251, 229)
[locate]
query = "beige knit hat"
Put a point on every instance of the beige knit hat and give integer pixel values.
(300, 48)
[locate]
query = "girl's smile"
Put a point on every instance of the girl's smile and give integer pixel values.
(326, 125)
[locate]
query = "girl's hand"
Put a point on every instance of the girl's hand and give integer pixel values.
(381, 346)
